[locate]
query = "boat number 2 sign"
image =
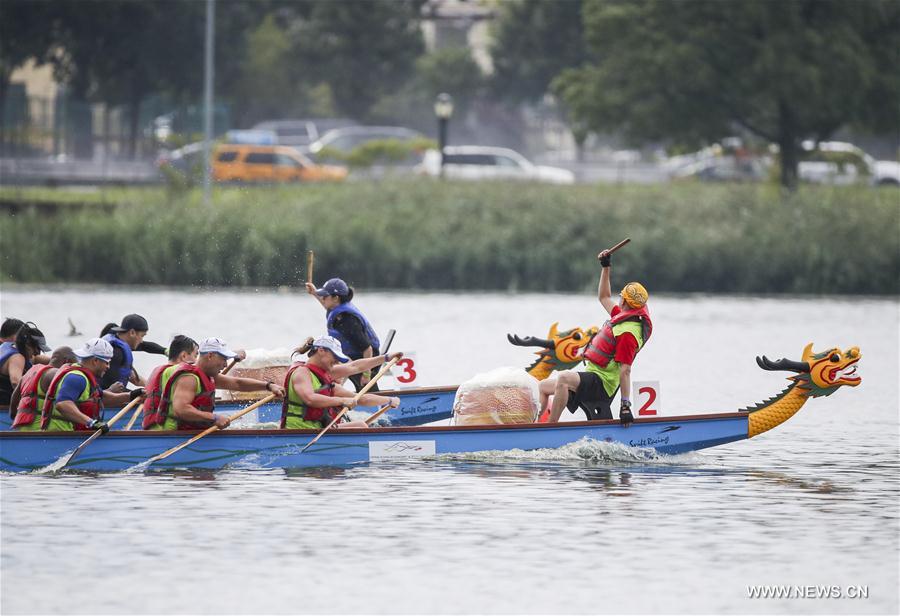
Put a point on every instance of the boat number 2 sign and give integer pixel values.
(646, 398)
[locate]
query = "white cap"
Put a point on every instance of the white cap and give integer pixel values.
(216, 345)
(95, 347)
(332, 344)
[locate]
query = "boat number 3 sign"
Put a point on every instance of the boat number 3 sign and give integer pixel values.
(646, 398)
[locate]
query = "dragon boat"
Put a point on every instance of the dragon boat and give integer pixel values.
(816, 375)
(418, 406)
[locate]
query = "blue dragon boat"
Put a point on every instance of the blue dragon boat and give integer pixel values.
(818, 374)
(418, 406)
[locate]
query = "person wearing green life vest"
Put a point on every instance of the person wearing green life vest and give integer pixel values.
(75, 399)
(188, 399)
(314, 397)
(608, 358)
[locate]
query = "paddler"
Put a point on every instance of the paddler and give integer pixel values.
(17, 357)
(28, 397)
(125, 339)
(608, 358)
(9, 329)
(314, 398)
(75, 399)
(182, 350)
(188, 398)
(348, 324)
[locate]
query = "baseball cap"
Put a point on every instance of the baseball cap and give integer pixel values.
(132, 321)
(95, 347)
(335, 286)
(216, 345)
(327, 342)
(35, 335)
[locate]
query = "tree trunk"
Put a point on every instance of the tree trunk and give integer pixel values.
(790, 148)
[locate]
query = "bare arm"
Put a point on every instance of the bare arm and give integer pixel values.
(360, 365)
(625, 380)
(311, 289)
(111, 398)
(15, 367)
(369, 399)
(604, 291)
(302, 384)
(182, 397)
(14, 401)
(240, 383)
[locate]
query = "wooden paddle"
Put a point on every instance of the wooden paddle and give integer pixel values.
(134, 417)
(617, 246)
(310, 259)
(371, 418)
(360, 394)
(235, 361)
(97, 433)
(209, 430)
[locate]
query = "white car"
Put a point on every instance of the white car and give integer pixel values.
(820, 165)
(476, 162)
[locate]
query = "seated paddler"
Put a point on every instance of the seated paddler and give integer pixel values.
(28, 397)
(314, 398)
(188, 398)
(607, 358)
(17, 357)
(182, 350)
(75, 398)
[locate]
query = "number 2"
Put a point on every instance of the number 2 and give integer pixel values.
(651, 398)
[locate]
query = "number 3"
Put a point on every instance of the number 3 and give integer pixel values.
(409, 370)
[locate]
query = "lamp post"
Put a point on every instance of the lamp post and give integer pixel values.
(443, 109)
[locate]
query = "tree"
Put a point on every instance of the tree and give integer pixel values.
(363, 49)
(784, 71)
(534, 40)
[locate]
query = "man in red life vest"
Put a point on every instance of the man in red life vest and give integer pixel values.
(188, 400)
(608, 357)
(74, 398)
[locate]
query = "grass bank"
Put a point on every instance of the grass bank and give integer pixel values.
(429, 235)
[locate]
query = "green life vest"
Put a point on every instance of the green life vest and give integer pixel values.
(609, 374)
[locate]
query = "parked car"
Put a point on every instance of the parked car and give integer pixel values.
(269, 163)
(346, 139)
(476, 162)
(837, 162)
(301, 133)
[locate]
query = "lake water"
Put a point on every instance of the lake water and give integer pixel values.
(812, 504)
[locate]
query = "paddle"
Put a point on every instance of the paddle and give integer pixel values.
(97, 433)
(371, 418)
(134, 417)
(356, 398)
(310, 259)
(231, 365)
(387, 341)
(617, 246)
(209, 430)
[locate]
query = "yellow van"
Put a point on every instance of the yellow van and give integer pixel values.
(269, 163)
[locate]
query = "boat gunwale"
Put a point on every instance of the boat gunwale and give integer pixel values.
(379, 430)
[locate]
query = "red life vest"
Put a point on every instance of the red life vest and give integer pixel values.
(602, 347)
(28, 395)
(322, 415)
(90, 407)
(203, 401)
(150, 408)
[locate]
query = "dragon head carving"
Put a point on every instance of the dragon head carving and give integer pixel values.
(820, 374)
(559, 351)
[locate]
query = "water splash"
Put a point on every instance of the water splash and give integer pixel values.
(584, 450)
(55, 466)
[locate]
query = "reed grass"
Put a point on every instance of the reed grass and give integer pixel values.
(427, 235)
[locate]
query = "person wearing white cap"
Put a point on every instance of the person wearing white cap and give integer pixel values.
(75, 399)
(188, 400)
(314, 398)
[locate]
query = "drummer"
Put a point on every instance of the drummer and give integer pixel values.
(314, 399)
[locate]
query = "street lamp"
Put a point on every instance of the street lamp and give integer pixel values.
(443, 109)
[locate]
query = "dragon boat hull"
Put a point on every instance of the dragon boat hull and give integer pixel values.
(417, 407)
(120, 450)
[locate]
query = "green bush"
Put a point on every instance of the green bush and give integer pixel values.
(481, 236)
